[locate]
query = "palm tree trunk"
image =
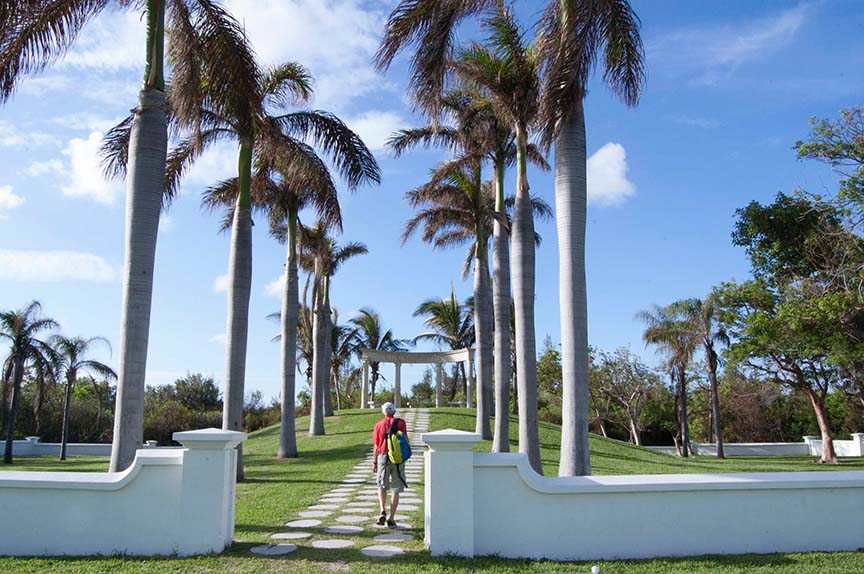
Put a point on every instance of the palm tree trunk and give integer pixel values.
(290, 316)
(327, 397)
(17, 377)
(239, 289)
(715, 400)
(501, 300)
(570, 214)
(70, 380)
(682, 405)
(483, 339)
(145, 181)
(319, 338)
(523, 295)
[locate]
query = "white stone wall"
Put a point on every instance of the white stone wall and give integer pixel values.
(32, 447)
(169, 502)
(811, 446)
(495, 504)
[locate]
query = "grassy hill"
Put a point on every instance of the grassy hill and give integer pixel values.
(274, 491)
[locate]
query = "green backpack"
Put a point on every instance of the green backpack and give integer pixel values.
(398, 449)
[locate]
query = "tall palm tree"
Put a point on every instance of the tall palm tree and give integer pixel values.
(669, 329)
(703, 317)
(450, 324)
(35, 33)
(21, 330)
(507, 70)
(342, 349)
(71, 354)
(572, 36)
(371, 335)
(323, 257)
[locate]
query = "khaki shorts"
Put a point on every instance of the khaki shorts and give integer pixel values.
(389, 475)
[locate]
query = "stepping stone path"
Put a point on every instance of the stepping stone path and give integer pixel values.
(351, 509)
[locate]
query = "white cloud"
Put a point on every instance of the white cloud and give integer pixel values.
(220, 284)
(86, 121)
(710, 54)
(85, 171)
(55, 266)
(695, 121)
(114, 41)
(219, 338)
(336, 39)
(217, 163)
(375, 127)
(8, 200)
(274, 288)
(17, 136)
(607, 176)
(51, 166)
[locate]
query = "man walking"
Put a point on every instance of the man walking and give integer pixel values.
(388, 476)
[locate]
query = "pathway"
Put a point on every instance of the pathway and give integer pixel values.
(344, 516)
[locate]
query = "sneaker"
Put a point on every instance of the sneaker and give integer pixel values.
(391, 523)
(382, 519)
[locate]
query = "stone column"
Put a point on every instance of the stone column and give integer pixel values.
(469, 373)
(364, 392)
(439, 383)
(397, 387)
(207, 489)
(857, 444)
(449, 487)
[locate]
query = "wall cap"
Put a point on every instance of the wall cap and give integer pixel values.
(450, 439)
(209, 439)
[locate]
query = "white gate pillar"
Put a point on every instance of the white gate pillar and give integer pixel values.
(364, 393)
(439, 382)
(469, 374)
(397, 387)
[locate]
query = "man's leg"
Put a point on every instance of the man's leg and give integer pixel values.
(394, 502)
(382, 499)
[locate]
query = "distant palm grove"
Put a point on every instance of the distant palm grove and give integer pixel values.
(772, 358)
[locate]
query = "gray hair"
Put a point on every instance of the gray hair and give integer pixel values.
(388, 409)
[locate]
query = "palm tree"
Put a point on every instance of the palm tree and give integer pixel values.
(451, 324)
(342, 349)
(21, 330)
(703, 317)
(372, 336)
(507, 70)
(669, 329)
(72, 358)
(323, 257)
(202, 34)
(573, 34)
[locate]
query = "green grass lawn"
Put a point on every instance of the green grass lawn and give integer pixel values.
(274, 491)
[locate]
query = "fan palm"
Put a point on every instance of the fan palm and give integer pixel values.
(202, 36)
(450, 324)
(372, 336)
(21, 330)
(703, 317)
(507, 70)
(323, 257)
(71, 355)
(573, 34)
(669, 329)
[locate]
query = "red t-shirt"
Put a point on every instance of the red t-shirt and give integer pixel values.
(379, 435)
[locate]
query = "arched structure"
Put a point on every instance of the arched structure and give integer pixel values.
(399, 358)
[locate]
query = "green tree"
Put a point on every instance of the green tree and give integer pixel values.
(71, 356)
(625, 379)
(21, 329)
(549, 382)
(372, 336)
(198, 392)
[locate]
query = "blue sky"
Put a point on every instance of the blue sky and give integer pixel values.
(730, 88)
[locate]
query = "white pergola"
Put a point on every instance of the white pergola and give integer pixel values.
(399, 358)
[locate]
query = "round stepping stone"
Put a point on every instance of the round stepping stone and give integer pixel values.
(274, 549)
(290, 535)
(392, 537)
(314, 513)
(400, 526)
(334, 499)
(332, 543)
(354, 480)
(408, 507)
(382, 551)
(343, 529)
(344, 490)
(370, 503)
(302, 523)
(360, 510)
(325, 507)
(351, 519)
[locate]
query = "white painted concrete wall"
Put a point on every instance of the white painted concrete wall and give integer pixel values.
(170, 501)
(811, 446)
(497, 505)
(32, 447)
